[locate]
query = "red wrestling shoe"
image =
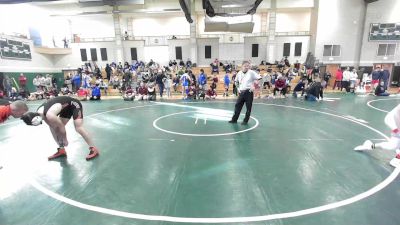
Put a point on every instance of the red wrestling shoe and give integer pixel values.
(60, 153)
(94, 152)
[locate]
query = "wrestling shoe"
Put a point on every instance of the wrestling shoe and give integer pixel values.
(60, 153)
(94, 152)
(367, 146)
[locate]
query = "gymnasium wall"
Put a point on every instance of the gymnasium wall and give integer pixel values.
(383, 11)
(280, 40)
(262, 48)
(74, 60)
(160, 26)
(295, 4)
(184, 43)
(127, 45)
(339, 24)
(214, 43)
(298, 20)
(231, 52)
(90, 26)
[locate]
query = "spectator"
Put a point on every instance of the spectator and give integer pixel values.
(129, 94)
(160, 79)
(42, 81)
(214, 68)
(188, 64)
(235, 91)
(280, 85)
(315, 91)
(104, 86)
(346, 80)
(338, 79)
(36, 82)
(108, 71)
(376, 76)
(82, 94)
(48, 82)
(297, 65)
(151, 91)
(211, 94)
(192, 92)
(286, 61)
(300, 87)
(167, 85)
(227, 82)
(176, 83)
(115, 82)
(185, 84)
(97, 72)
(353, 80)
(202, 80)
(327, 77)
(385, 77)
(142, 92)
(22, 80)
(76, 81)
(86, 79)
(266, 81)
(96, 93)
(380, 89)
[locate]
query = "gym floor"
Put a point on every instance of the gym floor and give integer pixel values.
(179, 162)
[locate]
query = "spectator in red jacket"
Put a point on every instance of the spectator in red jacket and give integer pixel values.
(211, 94)
(338, 79)
(280, 85)
(142, 92)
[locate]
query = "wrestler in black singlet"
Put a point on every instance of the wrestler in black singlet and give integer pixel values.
(71, 107)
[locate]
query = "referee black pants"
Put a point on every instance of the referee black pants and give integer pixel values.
(244, 97)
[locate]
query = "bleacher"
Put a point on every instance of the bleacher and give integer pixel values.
(207, 70)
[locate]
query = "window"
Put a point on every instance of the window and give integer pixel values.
(178, 52)
(254, 50)
(208, 51)
(386, 49)
(297, 48)
(332, 50)
(93, 54)
(83, 55)
(103, 52)
(133, 53)
(286, 49)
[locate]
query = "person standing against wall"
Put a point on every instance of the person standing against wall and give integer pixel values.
(244, 81)
(22, 80)
(346, 80)
(376, 76)
(385, 77)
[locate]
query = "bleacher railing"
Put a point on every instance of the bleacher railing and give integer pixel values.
(223, 37)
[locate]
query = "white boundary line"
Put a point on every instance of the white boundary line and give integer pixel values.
(317, 209)
(199, 135)
(369, 104)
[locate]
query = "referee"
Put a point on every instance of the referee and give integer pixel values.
(244, 82)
